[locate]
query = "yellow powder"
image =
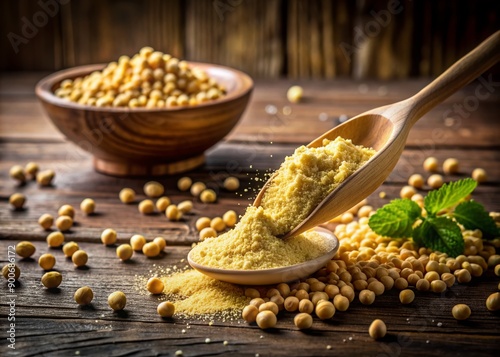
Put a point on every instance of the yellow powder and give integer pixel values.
(303, 180)
(307, 177)
(252, 246)
(197, 294)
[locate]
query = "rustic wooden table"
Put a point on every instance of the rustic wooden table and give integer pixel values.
(49, 323)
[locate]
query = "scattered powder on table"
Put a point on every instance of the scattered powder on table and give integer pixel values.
(196, 294)
(302, 182)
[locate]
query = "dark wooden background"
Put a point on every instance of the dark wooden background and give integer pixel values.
(265, 38)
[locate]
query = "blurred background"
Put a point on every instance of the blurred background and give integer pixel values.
(265, 38)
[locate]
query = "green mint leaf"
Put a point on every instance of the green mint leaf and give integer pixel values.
(395, 219)
(419, 233)
(441, 234)
(448, 195)
(472, 215)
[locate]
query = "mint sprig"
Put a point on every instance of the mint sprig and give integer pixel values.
(403, 218)
(448, 195)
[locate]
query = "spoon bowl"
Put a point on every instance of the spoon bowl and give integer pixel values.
(369, 129)
(385, 129)
(275, 275)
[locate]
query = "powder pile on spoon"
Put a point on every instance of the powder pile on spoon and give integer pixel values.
(301, 183)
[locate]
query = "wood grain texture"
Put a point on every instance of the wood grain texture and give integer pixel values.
(450, 124)
(220, 32)
(310, 42)
(383, 37)
(76, 180)
(27, 31)
(50, 323)
(462, 72)
(120, 28)
(267, 39)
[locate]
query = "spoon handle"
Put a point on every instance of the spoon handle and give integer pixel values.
(458, 75)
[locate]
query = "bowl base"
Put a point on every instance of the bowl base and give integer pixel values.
(121, 168)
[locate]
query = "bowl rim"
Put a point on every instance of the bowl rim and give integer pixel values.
(43, 89)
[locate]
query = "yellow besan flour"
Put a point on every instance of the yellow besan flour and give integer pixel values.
(301, 183)
(197, 294)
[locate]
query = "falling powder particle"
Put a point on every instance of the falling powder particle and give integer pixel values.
(363, 88)
(287, 110)
(323, 117)
(271, 109)
(343, 118)
(382, 91)
(449, 121)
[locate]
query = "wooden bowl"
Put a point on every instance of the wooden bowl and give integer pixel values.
(147, 141)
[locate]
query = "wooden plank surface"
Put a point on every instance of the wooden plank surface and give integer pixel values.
(450, 124)
(76, 180)
(50, 323)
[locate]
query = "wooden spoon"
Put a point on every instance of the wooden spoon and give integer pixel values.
(385, 129)
(275, 275)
